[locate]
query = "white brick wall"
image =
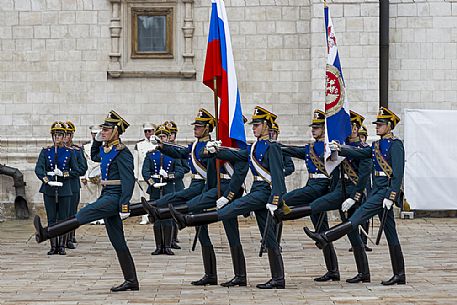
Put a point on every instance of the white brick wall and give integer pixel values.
(54, 58)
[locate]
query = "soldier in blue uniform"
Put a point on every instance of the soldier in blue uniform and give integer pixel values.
(74, 180)
(162, 174)
(113, 205)
(388, 159)
(318, 185)
(232, 174)
(351, 183)
(266, 164)
(55, 166)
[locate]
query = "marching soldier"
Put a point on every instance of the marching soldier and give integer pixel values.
(118, 181)
(351, 180)
(265, 162)
(139, 153)
(388, 159)
(162, 173)
(74, 181)
(318, 185)
(232, 174)
(55, 166)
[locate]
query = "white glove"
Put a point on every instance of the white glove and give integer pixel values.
(211, 149)
(124, 215)
(387, 203)
(347, 204)
(221, 202)
(153, 147)
(272, 208)
(98, 136)
(58, 172)
(158, 185)
(55, 183)
(334, 146)
(163, 173)
(156, 140)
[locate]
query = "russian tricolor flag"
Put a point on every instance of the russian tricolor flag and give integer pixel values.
(337, 117)
(220, 64)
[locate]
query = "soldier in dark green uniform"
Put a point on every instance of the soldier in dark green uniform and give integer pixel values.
(349, 189)
(162, 173)
(388, 159)
(318, 185)
(232, 174)
(266, 164)
(74, 181)
(116, 164)
(55, 166)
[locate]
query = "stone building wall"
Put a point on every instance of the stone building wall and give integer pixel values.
(55, 55)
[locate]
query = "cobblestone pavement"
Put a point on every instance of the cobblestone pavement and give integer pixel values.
(84, 276)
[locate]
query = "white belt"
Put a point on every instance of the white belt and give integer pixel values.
(155, 176)
(258, 178)
(110, 182)
(225, 176)
(197, 177)
(52, 174)
(380, 174)
(317, 176)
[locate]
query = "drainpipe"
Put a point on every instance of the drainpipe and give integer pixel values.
(20, 203)
(384, 53)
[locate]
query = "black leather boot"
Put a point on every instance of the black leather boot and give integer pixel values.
(277, 271)
(174, 239)
(137, 209)
(70, 244)
(398, 266)
(60, 228)
(209, 263)
(322, 239)
(149, 206)
(129, 272)
(363, 270)
(295, 213)
(62, 241)
(167, 232)
(331, 262)
(53, 249)
(239, 268)
(193, 220)
(158, 237)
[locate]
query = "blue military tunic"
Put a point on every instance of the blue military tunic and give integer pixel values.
(65, 160)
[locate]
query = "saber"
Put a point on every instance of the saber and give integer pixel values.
(361, 229)
(381, 226)
(197, 233)
(265, 230)
(320, 221)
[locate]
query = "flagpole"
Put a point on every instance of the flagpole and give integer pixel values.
(216, 115)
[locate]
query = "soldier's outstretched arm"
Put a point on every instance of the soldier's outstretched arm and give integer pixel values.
(232, 155)
(355, 152)
(294, 151)
(176, 152)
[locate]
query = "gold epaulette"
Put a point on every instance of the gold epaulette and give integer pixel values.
(120, 146)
